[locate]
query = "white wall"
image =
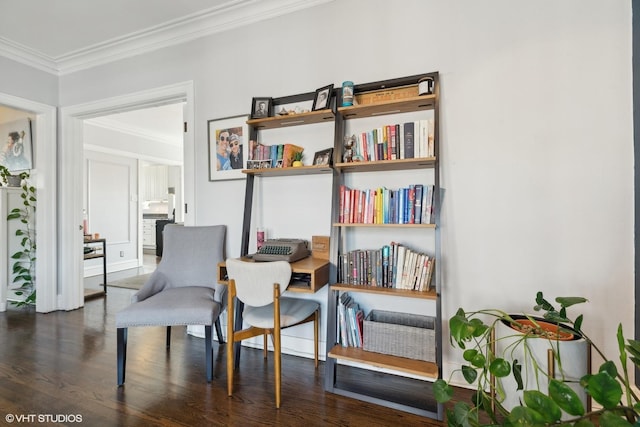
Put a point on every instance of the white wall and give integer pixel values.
(112, 207)
(536, 132)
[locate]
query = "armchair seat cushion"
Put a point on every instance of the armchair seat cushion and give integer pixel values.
(188, 305)
(292, 312)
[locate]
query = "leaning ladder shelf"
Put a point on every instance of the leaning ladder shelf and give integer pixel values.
(353, 376)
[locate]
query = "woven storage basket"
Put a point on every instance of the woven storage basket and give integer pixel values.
(400, 334)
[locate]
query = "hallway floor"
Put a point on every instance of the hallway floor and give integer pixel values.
(93, 284)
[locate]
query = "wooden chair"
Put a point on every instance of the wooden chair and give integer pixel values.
(258, 285)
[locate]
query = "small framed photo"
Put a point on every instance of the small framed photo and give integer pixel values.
(228, 147)
(261, 108)
(323, 98)
(323, 157)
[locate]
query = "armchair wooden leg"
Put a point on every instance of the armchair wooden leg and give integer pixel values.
(122, 354)
(168, 336)
(208, 335)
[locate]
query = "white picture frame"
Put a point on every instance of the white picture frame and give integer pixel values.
(223, 134)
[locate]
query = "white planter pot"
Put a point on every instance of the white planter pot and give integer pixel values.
(573, 355)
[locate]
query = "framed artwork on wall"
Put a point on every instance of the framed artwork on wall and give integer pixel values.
(16, 153)
(228, 147)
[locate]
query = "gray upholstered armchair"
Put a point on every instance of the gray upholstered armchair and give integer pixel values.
(182, 291)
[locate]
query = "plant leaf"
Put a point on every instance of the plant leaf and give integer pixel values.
(500, 368)
(469, 373)
(610, 419)
(569, 301)
(517, 374)
(565, 397)
(523, 416)
(542, 404)
(442, 391)
(604, 389)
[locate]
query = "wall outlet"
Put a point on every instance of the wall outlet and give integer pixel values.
(121, 254)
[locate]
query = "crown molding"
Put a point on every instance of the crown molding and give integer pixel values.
(230, 15)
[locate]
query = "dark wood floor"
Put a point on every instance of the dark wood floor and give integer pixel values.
(64, 363)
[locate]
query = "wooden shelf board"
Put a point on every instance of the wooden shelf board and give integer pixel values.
(343, 224)
(275, 122)
(430, 294)
(92, 256)
(316, 268)
(423, 102)
(387, 165)
(402, 364)
(302, 170)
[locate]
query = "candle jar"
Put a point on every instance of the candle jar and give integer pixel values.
(347, 94)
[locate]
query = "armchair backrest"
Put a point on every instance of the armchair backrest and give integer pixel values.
(254, 280)
(191, 255)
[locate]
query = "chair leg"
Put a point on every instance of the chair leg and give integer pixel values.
(265, 345)
(219, 331)
(208, 336)
(122, 354)
(168, 336)
(230, 338)
(316, 321)
(276, 342)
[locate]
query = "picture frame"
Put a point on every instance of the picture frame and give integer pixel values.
(228, 147)
(322, 99)
(261, 108)
(323, 157)
(17, 151)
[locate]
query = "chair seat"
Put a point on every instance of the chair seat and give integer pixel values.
(189, 305)
(292, 311)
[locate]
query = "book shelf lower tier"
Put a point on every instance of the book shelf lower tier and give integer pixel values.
(430, 294)
(379, 360)
(380, 388)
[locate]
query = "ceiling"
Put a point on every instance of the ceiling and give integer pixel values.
(63, 36)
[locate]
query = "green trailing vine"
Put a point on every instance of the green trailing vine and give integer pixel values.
(24, 260)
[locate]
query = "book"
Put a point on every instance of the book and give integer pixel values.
(408, 140)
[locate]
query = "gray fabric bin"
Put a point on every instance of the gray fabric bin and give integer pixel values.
(400, 334)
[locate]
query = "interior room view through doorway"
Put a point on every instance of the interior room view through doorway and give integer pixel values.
(133, 186)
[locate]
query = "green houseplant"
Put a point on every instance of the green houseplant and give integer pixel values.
(610, 387)
(24, 259)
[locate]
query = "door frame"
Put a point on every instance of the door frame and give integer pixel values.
(43, 178)
(71, 167)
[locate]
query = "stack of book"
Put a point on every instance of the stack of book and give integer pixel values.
(409, 205)
(263, 156)
(350, 320)
(392, 266)
(396, 141)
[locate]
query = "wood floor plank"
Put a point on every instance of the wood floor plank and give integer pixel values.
(65, 363)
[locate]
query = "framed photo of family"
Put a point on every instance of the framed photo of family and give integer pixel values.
(228, 147)
(16, 153)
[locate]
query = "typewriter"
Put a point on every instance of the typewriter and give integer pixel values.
(289, 250)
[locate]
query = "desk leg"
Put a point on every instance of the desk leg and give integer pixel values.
(238, 327)
(104, 266)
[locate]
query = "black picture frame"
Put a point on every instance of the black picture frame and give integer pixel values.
(261, 108)
(322, 100)
(323, 157)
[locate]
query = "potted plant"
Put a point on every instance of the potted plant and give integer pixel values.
(10, 179)
(555, 403)
(23, 267)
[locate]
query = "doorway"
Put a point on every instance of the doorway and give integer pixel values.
(133, 179)
(71, 166)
